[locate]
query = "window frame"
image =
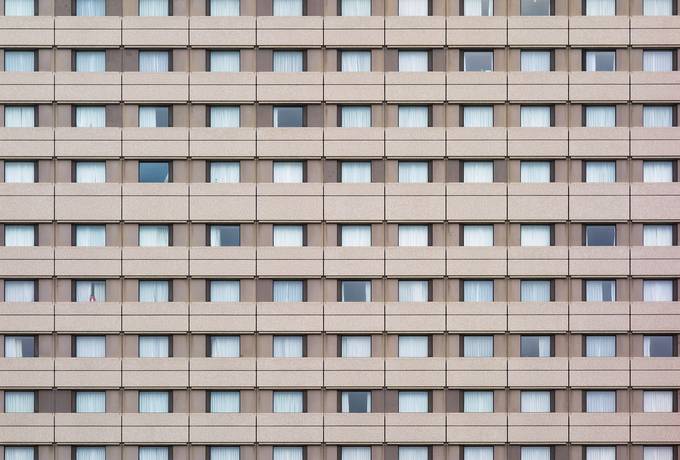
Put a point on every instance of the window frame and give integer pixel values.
(170, 164)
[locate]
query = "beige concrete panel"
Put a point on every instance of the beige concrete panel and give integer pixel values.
(475, 31)
(26, 428)
(653, 428)
(429, 31)
(598, 86)
(476, 261)
(222, 317)
(87, 372)
(538, 317)
(654, 372)
(222, 261)
(27, 373)
(542, 31)
(25, 142)
(415, 428)
(221, 142)
(277, 32)
(589, 428)
(351, 31)
(222, 31)
(354, 261)
(353, 373)
(415, 317)
(100, 32)
(155, 87)
(26, 261)
(155, 372)
(354, 86)
(353, 316)
(155, 142)
(222, 372)
(155, 428)
(289, 86)
(289, 143)
(538, 261)
(290, 207)
(222, 87)
(14, 319)
(290, 372)
(654, 142)
(598, 142)
(477, 316)
(26, 202)
(598, 261)
(538, 428)
(415, 372)
(87, 202)
(654, 316)
(87, 261)
(409, 261)
(81, 317)
(289, 428)
(415, 142)
(598, 201)
(280, 317)
(477, 372)
(476, 202)
(409, 202)
(36, 31)
(415, 86)
(80, 143)
(27, 86)
(538, 372)
(476, 86)
(155, 202)
(537, 142)
(654, 86)
(537, 202)
(649, 30)
(599, 316)
(538, 86)
(353, 428)
(476, 142)
(155, 317)
(599, 372)
(219, 428)
(166, 262)
(654, 207)
(149, 31)
(222, 202)
(353, 143)
(598, 31)
(654, 261)
(476, 428)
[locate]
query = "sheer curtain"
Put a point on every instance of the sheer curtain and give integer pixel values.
(413, 61)
(413, 401)
(356, 7)
(154, 401)
(90, 117)
(154, 235)
(600, 401)
(154, 291)
(478, 291)
(535, 235)
(288, 172)
(536, 346)
(534, 61)
(413, 346)
(600, 116)
(90, 291)
(153, 7)
(225, 291)
(19, 235)
(658, 171)
(19, 402)
(535, 401)
(413, 291)
(478, 346)
(287, 7)
(355, 235)
(154, 61)
(90, 172)
(91, 8)
(288, 346)
(356, 346)
(413, 8)
(90, 61)
(600, 7)
(413, 453)
(600, 171)
(657, 116)
(225, 117)
(152, 346)
(414, 172)
(225, 7)
(534, 116)
(19, 172)
(288, 61)
(534, 453)
(478, 8)
(224, 453)
(414, 235)
(355, 61)
(225, 61)
(90, 453)
(535, 290)
(225, 172)
(355, 116)
(153, 117)
(19, 8)
(19, 61)
(477, 116)
(477, 235)
(90, 401)
(534, 172)
(288, 291)
(657, 61)
(656, 453)
(225, 346)
(658, 290)
(355, 172)
(90, 235)
(478, 171)
(656, 8)
(19, 291)
(288, 236)
(19, 453)
(19, 346)
(657, 235)
(600, 290)
(225, 402)
(658, 401)
(153, 453)
(90, 346)
(413, 116)
(288, 401)
(478, 453)
(600, 346)
(287, 453)
(19, 116)
(478, 401)
(600, 453)
(355, 453)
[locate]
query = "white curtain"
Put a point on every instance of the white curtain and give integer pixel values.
(355, 116)
(225, 117)
(90, 117)
(600, 453)
(478, 171)
(153, 346)
(90, 346)
(225, 291)
(413, 291)
(535, 235)
(225, 402)
(533, 172)
(657, 116)
(288, 291)
(154, 235)
(90, 61)
(413, 7)
(355, 453)
(19, 235)
(90, 453)
(478, 346)
(413, 61)
(90, 7)
(600, 116)
(537, 346)
(355, 61)
(414, 172)
(600, 290)
(535, 61)
(413, 401)
(355, 291)
(478, 291)
(413, 453)
(656, 453)
(288, 236)
(20, 116)
(658, 290)
(153, 453)
(356, 8)
(154, 401)
(535, 116)
(658, 401)
(225, 7)
(288, 346)
(600, 401)
(355, 172)
(478, 8)
(154, 61)
(355, 402)
(535, 290)
(535, 453)
(225, 61)
(19, 172)
(90, 401)
(225, 453)
(90, 172)
(90, 235)
(600, 7)
(414, 346)
(225, 172)
(478, 401)
(153, 7)
(288, 61)
(355, 235)
(19, 346)
(19, 291)
(535, 401)
(658, 171)
(600, 171)
(19, 401)
(288, 401)
(19, 61)
(478, 453)
(19, 453)
(287, 453)
(290, 172)
(154, 291)
(655, 8)
(225, 346)
(287, 7)
(90, 291)
(477, 235)
(600, 346)
(657, 60)
(356, 346)
(658, 235)
(153, 117)
(413, 235)
(413, 116)
(477, 116)
(19, 8)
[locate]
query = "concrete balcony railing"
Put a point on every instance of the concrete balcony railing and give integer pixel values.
(290, 202)
(290, 372)
(289, 86)
(290, 428)
(88, 86)
(477, 373)
(362, 142)
(87, 372)
(547, 31)
(598, 86)
(221, 317)
(354, 316)
(598, 31)
(476, 428)
(155, 202)
(598, 142)
(653, 427)
(411, 261)
(654, 142)
(538, 202)
(652, 261)
(161, 317)
(155, 372)
(165, 262)
(599, 202)
(599, 316)
(589, 261)
(75, 317)
(415, 142)
(654, 201)
(222, 142)
(415, 87)
(470, 261)
(154, 32)
(354, 372)
(95, 31)
(29, 373)
(654, 86)
(37, 31)
(415, 317)
(27, 142)
(538, 142)
(476, 142)
(26, 428)
(354, 202)
(415, 428)
(354, 87)
(80, 142)
(538, 372)
(156, 142)
(648, 31)
(277, 317)
(222, 203)
(354, 428)
(72, 261)
(599, 428)
(425, 31)
(538, 317)
(278, 31)
(552, 428)
(87, 428)
(415, 372)
(551, 261)
(216, 428)
(476, 87)
(209, 261)
(487, 31)
(26, 261)
(276, 261)
(222, 372)
(599, 372)
(32, 202)
(477, 317)
(222, 87)
(343, 261)
(155, 428)
(350, 31)
(538, 86)
(87, 202)
(415, 202)
(476, 202)
(654, 372)
(222, 31)
(156, 87)
(289, 142)
(27, 87)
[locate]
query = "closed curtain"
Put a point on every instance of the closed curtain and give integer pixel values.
(413, 291)
(90, 401)
(600, 7)
(477, 116)
(600, 346)
(19, 172)
(535, 290)
(19, 346)
(600, 291)
(356, 346)
(90, 172)
(356, 117)
(478, 8)
(153, 8)
(600, 401)
(478, 401)
(657, 61)
(225, 453)
(225, 402)
(90, 291)
(478, 171)
(658, 401)
(288, 346)
(19, 8)
(19, 61)
(413, 8)
(535, 401)
(288, 172)
(413, 172)
(288, 61)
(288, 401)
(413, 235)
(355, 172)
(535, 172)
(19, 401)
(600, 453)
(154, 401)
(19, 235)
(19, 116)
(90, 61)
(478, 235)
(355, 61)
(225, 61)
(90, 235)
(288, 235)
(153, 453)
(535, 453)
(225, 291)
(225, 7)
(90, 453)
(535, 61)
(535, 116)
(19, 453)
(413, 401)
(90, 117)
(413, 61)
(150, 117)
(154, 235)
(154, 61)
(544, 346)
(657, 117)
(413, 453)
(535, 235)
(478, 453)
(413, 117)
(600, 171)
(656, 8)
(413, 346)
(90, 7)
(356, 235)
(287, 7)
(356, 7)
(600, 117)
(154, 291)
(355, 453)
(287, 453)
(288, 291)
(19, 291)
(658, 235)
(154, 346)
(478, 290)
(225, 346)
(225, 172)
(225, 117)
(658, 290)
(90, 346)
(478, 346)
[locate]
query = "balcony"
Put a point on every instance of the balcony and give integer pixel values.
(91, 373)
(140, 317)
(538, 202)
(221, 142)
(654, 142)
(476, 428)
(213, 373)
(654, 427)
(290, 428)
(473, 261)
(488, 31)
(654, 372)
(538, 316)
(476, 87)
(222, 31)
(353, 86)
(87, 428)
(155, 372)
(27, 142)
(353, 261)
(155, 142)
(28, 373)
(598, 142)
(26, 261)
(415, 202)
(221, 87)
(213, 261)
(280, 317)
(81, 142)
(655, 201)
(290, 142)
(150, 32)
(589, 428)
(26, 428)
(88, 87)
(290, 202)
(26, 317)
(538, 86)
(155, 428)
(155, 202)
(415, 428)
(649, 31)
(277, 262)
(654, 316)
(598, 202)
(290, 32)
(222, 428)
(74, 317)
(598, 31)
(71, 261)
(477, 317)
(598, 86)
(649, 261)
(550, 261)
(353, 428)
(415, 372)
(354, 202)
(27, 87)
(415, 261)
(607, 261)
(415, 317)
(424, 31)
(415, 142)
(598, 316)
(161, 87)
(420, 87)
(222, 203)
(551, 428)
(354, 373)
(599, 372)
(290, 372)
(164, 262)
(36, 31)
(220, 317)
(538, 372)
(538, 142)
(541, 31)
(26, 202)
(654, 86)
(476, 142)
(95, 31)
(290, 87)
(87, 202)
(477, 373)
(351, 31)
(354, 316)
(476, 202)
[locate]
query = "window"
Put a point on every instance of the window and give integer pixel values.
(287, 453)
(414, 235)
(288, 291)
(535, 291)
(414, 291)
(19, 402)
(657, 60)
(19, 453)
(355, 61)
(478, 7)
(655, 235)
(288, 117)
(225, 346)
(355, 116)
(224, 453)
(287, 7)
(90, 402)
(600, 116)
(20, 172)
(535, 453)
(599, 61)
(19, 8)
(658, 290)
(90, 235)
(535, 235)
(658, 346)
(600, 453)
(20, 116)
(90, 61)
(600, 346)
(600, 235)
(535, 172)
(355, 453)
(90, 291)
(225, 402)
(355, 172)
(20, 346)
(225, 235)
(477, 291)
(535, 8)
(658, 171)
(224, 61)
(414, 401)
(154, 8)
(355, 346)
(224, 8)
(225, 172)
(154, 61)
(535, 401)
(414, 8)
(355, 235)
(288, 235)
(90, 172)
(477, 235)
(90, 346)
(535, 346)
(600, 8)
(478, 401)
(154, 117)
(288, 61)
(20, 290)
(225, 291)
(413, 453)
(153, 453)
(600, 290)
(600, 171)
(535, 116)
(478, 172)
(355, 291)
(355, 8)
(90, 453)
(91, 8)
(154, 346)
(414, 346)
(225, 117)
(535, 61)
(478, 346)
(154, 235)
(288, 346)
(288, 401)
(20, 61)
(600, 401)
(154, 172)
(477, 116)
(658, 401)
(414, 172)
(414, 61)
(655, 8)
(477, 61)
(20, 235)
(477, 453)
(657, 116)
(154, 291)
(413, 116)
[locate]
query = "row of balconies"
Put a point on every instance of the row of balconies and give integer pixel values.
(316, 31)
(353, 87)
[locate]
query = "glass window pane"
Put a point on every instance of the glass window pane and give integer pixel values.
(225, 117)
(414, 401)
(91, 235)
(355, 453)
(658, 401)
(414, 235)
(288, 291)
(600, 61)
(90, 172)
(20, 290)
(151, 346)
(413, 291)
(414, 172)
(154, 291)
(355, 61)
(288, 61)
(356, 402)
(225, 291)
(225, 346)
(413, 116)
(90, 346)
(154, 61)
(20, 116)
(657, 453)
(477, 452)
(154, 8)
(600, 7)
(478, 346)
(600, 346)
(154, 171)
(287, 7)
(600, 171)
(478, 171)
(154, 235)
(225, 8)
(535, 453)
(600, 116)
(154, 117)
(355, 8)
(658, 171)
(658, 290)
(477, 61)
(355, 172)
(225, 61)
(657, 60)
(355, 116)
(288, 235)
(90, 291)
(19, 61)
(658, 346)
(154, 401)
(356, 346)
(600, 453)
(288, 346)
(413, 453)
(225, 235)
(153, 453)
(535, 8)
(535, 346)
(19, 172)
(355, 235)
(413, 61)
(90, 61)
(535, 116)
(19, 402)
(600, 401)
(225, 172)
(535, 61)
(600, 235)
(535, 235)
(535, 401)
(477, 116)
(478, 401)
(477, 235)
(20, 346)
(19, 453)
(657, 7)
(288, 117)
(535, 291)
(657, 116)
(19, 8)
(600, 290)
(414, 346)
(288, 401)
(356, 291)
(535, 172)
(288, 172)
(478, 8)
(19, 235)
(657, 235)
(413, 7)
(478, 291)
